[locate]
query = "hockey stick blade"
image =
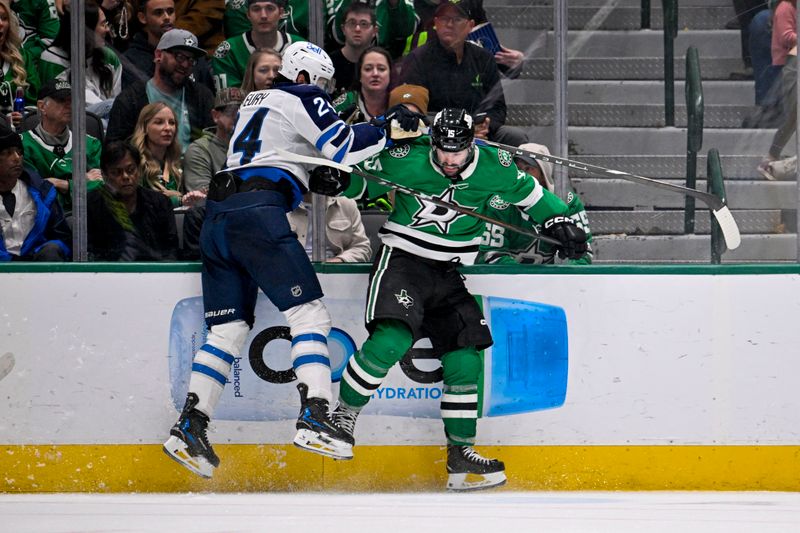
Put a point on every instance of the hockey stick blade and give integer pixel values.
(730, 231)
(310, 160)
(7, 362)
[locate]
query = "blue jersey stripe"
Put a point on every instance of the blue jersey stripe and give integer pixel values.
(312, 358)
(339, 156)
(309, 337)
(222, 354)
(328, 135)
(210, 372)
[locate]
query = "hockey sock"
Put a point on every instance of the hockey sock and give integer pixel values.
(212, 363)
(388, 343)
(462, 369)
(309, 325)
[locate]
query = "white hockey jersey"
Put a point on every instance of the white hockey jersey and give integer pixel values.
(296, 118)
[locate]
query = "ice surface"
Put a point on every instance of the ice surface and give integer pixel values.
(491, 511)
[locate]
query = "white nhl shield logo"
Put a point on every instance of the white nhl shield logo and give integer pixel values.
(297, 291)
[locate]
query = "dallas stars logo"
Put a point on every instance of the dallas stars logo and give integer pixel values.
(441, 217)
(404, 299)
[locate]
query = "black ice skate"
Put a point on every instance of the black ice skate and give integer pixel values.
(188, 443)
(316, 430)
(470, 471)
(345, 417)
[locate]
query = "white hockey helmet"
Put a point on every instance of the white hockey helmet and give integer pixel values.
(307, 57)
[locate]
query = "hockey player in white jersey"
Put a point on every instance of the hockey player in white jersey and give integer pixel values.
(247, 244)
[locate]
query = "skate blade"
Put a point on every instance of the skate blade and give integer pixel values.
(176, 449)
(323, 445)
(468, 482)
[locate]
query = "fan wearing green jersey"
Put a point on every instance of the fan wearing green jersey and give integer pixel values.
(230, 59)
(415, 289)
(503, 246)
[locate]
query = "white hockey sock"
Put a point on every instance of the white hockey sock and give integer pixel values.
(212, 363)
(309, 325)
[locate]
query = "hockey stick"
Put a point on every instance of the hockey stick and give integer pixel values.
(310, 160)
(730, 231)
(6, 364)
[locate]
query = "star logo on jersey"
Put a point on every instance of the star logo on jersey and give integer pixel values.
(222, 50)
(400, 151)
(505, 158)
(404, 299)
(498, 203)
(235, 4)
(570, 197)
(439, 216)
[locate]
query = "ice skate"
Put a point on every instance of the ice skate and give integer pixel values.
(188, 443)
(467, 470)
(316, 430)
(345, 417)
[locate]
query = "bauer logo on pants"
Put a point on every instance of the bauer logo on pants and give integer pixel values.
(525, 370)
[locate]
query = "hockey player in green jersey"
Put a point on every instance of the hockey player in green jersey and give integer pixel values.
(230, 59)
(415, 289)
(502, 246)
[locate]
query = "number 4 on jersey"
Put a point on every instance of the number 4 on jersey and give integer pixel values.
(248, 141)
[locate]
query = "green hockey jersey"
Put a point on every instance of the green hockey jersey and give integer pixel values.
(39, 21)
(8, 89)
(230, 58)
(44, 159)
(504, 246)
(436, 232)
(235, 21)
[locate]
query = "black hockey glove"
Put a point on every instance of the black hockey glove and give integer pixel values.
(571, 237)
(399, 123)
(328, 180)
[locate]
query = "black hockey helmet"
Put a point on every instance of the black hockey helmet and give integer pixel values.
(453, 130)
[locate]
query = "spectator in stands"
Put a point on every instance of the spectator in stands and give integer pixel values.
(126, 222)
(19, 66)
(500, 245)
(119, 14)
(295, 20)
(230, 60)
(396, 21)
(346, 241)
(461, 74)
(784, 52)
(359, 29)
(261, 70)
(156, 18)
(370, 95)
(207, 155)
(414, 97)
(175, 56)
(509, 61)
(39, 23)
(767, 82)
(103, 67)
(745, 11)
(48, 146)
(155, 137)
(32, 224)
(203, 18)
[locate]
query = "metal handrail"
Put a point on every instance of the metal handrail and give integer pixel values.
(694, 133)
(670, 9)
(716, 185)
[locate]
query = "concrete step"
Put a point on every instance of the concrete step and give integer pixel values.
(630, 115)
(622, 44)
(607, 17)
(715, 92)
(631, 68)
(671, 222)
(661, 141)
(734, 167)
(692, 248)
(611, 193)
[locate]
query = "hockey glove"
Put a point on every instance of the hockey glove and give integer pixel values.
(399, 123)
(571, 237)
(328, 181)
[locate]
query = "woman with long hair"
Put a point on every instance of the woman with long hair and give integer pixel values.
(369, 96)
(155, 136)
(261, 70)
(103, 68)
(18, 67)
